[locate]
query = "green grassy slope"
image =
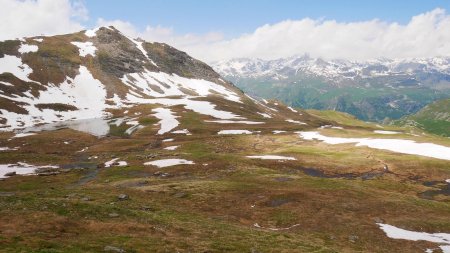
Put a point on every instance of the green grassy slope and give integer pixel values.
(434, 118)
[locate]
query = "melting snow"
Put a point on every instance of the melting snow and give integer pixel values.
(97, 127)
(271, 157)
(385, 132)
(85, 48)
(295, 122)
(20, 135)
(398, 233)
(167, 121)
(265, 115)
(114, 162)
(84, 92)
(395, 145)
(91, 33)
(12, 64)
(278, 131)
(7, 149)
(234, 132)
(167, 140)
(235, 122)
(21, 168)
(256, 225)
(25, 48)
(330, 126)
(292, 109)
(201, 107)
(174, 85)
(5, 83)
(182, 131)
(171, 148)
(168, 162)
(141, 48)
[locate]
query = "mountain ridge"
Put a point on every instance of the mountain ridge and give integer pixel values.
(48, 73)
(374, 90)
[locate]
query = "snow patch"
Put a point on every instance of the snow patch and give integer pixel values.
(265, 115)
(399, 233)
(168, 162)
(12, 64)
(296, 122)
(7, 149)
(174, 85)
(171, 147)
(386, 132)
(167, 121)
(83, 92)
(292, 109)
(21, 168)
(247, 122)
(396, 145)
(271, 157)
(115, 162)
(234, 132)
(201, 107)
(20, 135)
(91, 33)
(85, 48)
(25, 48)
(182, 131)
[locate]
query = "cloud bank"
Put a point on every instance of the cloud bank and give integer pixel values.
(35, 17)
(425, 35)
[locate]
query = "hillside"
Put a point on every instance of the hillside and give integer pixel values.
(114, 144)
(433, 118)
(372, 90)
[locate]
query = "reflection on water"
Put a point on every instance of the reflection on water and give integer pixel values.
(98, 127)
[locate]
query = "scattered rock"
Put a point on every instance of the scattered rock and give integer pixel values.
(10, 174)
(283, 179)
(113, 215)
(113, 249)
(378, 220)
(86, 199)
(353, 238)
(7, 194)
(180, 195)
(52, 173)
(123, 197)
(147, 208)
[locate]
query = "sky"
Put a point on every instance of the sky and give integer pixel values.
(268, 29)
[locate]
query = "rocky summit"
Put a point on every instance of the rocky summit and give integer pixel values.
(114, 144)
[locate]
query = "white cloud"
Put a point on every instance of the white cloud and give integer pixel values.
(425, 35)
(21, 18)
(163, 34)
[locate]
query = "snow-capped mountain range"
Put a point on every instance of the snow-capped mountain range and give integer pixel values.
(371, 90)
(330, 69)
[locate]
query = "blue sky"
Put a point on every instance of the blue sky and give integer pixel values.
(234, 17)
